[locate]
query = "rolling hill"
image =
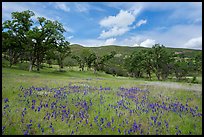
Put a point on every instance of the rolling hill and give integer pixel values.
(126, 50)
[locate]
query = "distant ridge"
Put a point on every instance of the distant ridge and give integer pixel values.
(126, 50)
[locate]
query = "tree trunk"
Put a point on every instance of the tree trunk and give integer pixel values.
(158, 76)
(10, 58)
(149, 74)
(38, 62)
(30, 66)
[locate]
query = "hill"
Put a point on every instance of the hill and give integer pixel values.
(126, 50)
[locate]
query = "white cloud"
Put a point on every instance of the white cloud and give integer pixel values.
(114, 31)
(148, 43)
(185, 10)
(195, 43)
(139, 23)
(136, 45)
(110, 41)
(62, 6)
(122, 19)
(117, 25)
(175, 36)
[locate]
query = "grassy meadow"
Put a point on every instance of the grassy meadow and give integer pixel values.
(74, 102)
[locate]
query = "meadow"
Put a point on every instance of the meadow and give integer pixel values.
(83, 103)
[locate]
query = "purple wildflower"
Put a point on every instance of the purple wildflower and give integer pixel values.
(109, 124)
(6, 100)
(26, 132)
(42, 130)
(119, 130)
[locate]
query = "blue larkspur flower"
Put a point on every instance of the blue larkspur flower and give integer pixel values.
(6, 100)
(119, 130)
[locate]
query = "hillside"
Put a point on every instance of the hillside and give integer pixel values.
(125, 50)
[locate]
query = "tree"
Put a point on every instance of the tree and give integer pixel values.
(99, 62)
(14, 34)
(134, 64)
(62, 51)
(147, 61)
(180, 69)
(161, 61)
(198, 62)
(21, 37)
(43, 38)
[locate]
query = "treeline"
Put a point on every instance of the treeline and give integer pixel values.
(40, 40)
(157, 60)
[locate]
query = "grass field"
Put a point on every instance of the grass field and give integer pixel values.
(74, 102)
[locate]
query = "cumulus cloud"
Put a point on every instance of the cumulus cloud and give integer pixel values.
(148, 43)
(123, 18)
(117, 25)
(110, 41)
(195, 43)
(114, 31)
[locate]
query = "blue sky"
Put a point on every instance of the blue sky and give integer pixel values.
(173, 24)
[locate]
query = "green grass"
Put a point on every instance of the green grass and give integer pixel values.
(102, 103)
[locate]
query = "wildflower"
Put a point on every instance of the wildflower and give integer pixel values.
(112, 119)
(134, 126)
(109, 124)
(29, 125)
(6, 100)
(51, 125)
(42, 130)
(119, 130)
(3, 128)
(102, 120)
(113, 128)
(38, 109)
(129, 131)
(26, 132)
(72, 132)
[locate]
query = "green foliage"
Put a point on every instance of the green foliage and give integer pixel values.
(22, 39)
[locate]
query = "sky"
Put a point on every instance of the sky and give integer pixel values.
(93, 24)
